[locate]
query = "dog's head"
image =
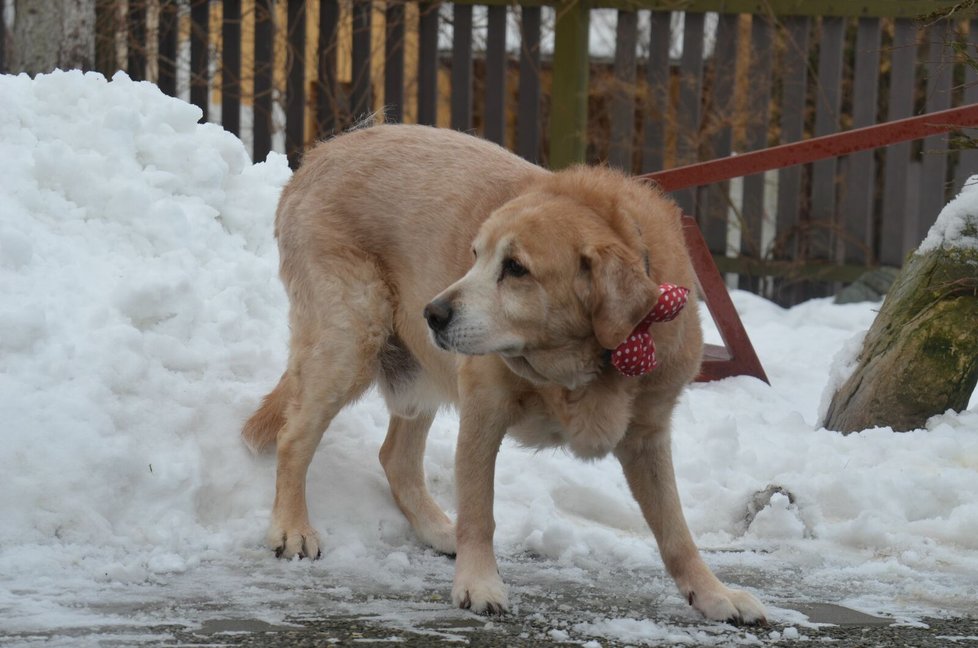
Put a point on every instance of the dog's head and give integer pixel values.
(555, 280)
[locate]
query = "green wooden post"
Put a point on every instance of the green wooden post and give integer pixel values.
(568, 105)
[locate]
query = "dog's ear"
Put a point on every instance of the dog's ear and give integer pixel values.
(616, 290)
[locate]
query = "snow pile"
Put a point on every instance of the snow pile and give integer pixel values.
(957, 224)
(138, 275)
(142, 320)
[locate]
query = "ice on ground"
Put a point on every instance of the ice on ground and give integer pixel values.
(142, 320)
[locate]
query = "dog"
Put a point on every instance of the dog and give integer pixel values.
(446, 270)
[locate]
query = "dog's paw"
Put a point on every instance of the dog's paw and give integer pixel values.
(482, 596)
(729, 605)
(439, 537)
(300, 540)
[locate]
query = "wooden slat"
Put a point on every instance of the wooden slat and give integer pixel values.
(231, 66)
(264, 42)
(3, 39)
(968, 158)
(895, 236)
(166, 38)
(394, 61)
(657, 72)
(712, 201)
(136, 42)
(622, 111)
(428, 63)
(199, 42)
(828, 99)
(794, 84)
(494, 127)
(361, 95)
(860, 180)
(933, 178)
(327, 98)
(295, 84)
(528, 124)
(752, 210)
(462, 67)
(690, 96)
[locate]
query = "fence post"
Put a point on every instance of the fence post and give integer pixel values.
(568, 105)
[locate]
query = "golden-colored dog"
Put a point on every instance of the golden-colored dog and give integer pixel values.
(447, 270)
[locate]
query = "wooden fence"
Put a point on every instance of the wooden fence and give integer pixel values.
(678, 87)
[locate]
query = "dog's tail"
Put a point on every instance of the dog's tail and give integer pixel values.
(261, 430)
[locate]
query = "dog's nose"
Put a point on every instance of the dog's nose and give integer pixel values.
(439, 314)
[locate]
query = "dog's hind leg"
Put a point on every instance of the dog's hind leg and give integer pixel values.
(340, 318)
(402, 456)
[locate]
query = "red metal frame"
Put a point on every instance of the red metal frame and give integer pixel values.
(737, 357)
(817, 148)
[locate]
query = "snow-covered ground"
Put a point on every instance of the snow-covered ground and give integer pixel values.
(141, 320)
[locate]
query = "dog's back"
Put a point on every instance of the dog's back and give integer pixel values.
(396, 205)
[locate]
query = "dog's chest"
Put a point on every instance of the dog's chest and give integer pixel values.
(589, 422)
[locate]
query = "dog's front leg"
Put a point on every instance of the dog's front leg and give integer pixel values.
(478, 585)
(646, 457)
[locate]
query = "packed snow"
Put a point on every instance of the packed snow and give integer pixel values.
(142, 320)
(957, 224)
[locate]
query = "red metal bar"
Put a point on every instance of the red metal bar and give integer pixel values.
(817, 148)
(737, 356)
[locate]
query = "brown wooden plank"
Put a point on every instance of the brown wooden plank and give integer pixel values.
(712, 201)
(690, 97)
(361, 92)
(295, 82)
(428, 63)
(622, 111)
(461, 67)
(106, 27)
(794, 85)
(199, 44)
(828, 98)
(895, 236)
(166, 39)
(494, 125)
(860, 177)
(968, 158)
(264, 43)
(136, 42)
(3, 39)
(528, 123)
(327, 97)
(654, 141)
(394, 61)
(933, 178)
(231, 66)
(752, 211)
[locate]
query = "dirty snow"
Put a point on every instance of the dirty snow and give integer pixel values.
(142, 320)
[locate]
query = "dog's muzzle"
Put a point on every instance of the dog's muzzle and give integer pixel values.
(439, 315)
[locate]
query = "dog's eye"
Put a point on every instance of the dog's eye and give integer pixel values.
(513, 268)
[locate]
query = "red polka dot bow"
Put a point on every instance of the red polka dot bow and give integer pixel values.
(636, 355)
